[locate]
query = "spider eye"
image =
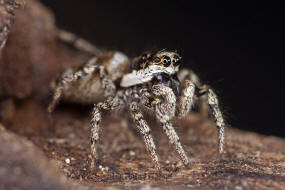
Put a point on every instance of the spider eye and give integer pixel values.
(157, 59)
(176, 60)
(143, 58)
(166, 61)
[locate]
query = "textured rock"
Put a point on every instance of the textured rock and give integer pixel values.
(23, 166)
(31, 59)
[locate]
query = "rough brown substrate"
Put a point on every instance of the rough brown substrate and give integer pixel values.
(32, 57)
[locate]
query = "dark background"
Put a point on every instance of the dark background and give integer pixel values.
(236, 47)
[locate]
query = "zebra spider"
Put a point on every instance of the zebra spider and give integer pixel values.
(153, 81)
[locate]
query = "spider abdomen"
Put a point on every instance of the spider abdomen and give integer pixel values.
(88, 89)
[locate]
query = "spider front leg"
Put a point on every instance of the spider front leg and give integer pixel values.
(207, 98)
(189, 75)
(186, 100)
(145, 132)
(216, 112)
(110, 104)
(164, 111)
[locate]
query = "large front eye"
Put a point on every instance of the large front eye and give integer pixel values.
(157, 59)
(143, 58)
(176, 60)
(166, 61)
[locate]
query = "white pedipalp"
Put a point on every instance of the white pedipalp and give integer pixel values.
(146, 75)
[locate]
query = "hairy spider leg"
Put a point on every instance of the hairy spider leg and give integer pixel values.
(213, 103)
(109, 104)
(216, 112)
(207, 98)
(186, 99)
(164, 111)
(78, 43)
(187, 74)
(145, 131)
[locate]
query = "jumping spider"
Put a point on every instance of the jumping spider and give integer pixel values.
(153, 81)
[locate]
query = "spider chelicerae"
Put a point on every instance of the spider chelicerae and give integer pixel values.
(152, 81)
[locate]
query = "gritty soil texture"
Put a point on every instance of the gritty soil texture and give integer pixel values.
(42, 151)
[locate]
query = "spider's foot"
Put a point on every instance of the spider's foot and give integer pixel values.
(187, 166)
(92, 165)
(157, 167)
(95, 164)
(220, 156)
(51, 107)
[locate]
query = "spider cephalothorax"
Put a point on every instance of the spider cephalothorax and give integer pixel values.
(150, 65)
(155, 82)
(162, 58)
